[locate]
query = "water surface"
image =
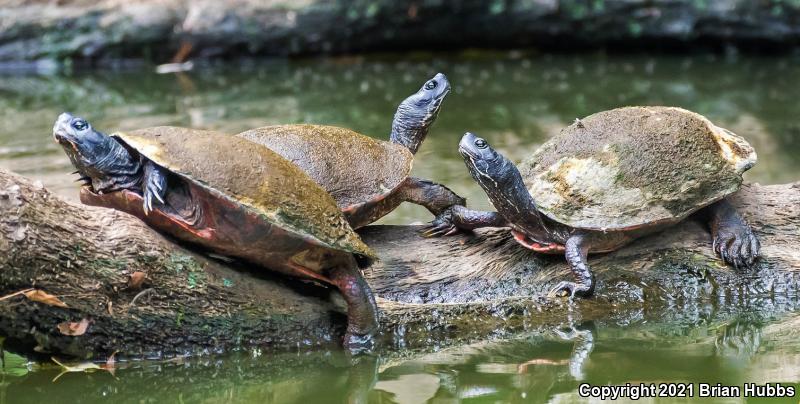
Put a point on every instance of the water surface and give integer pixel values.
(538, 368)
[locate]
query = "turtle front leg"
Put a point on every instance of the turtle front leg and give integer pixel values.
(362, 312)
(459, 217)
(433, 196)
(733, 239)
(577, 252)
(154, 185)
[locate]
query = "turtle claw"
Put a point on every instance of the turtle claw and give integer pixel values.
(570, 290)
(736, 246)
(755, 250)
(84, 180)
(452, 231)
(438, 230)
(155, 187)
(147, 205)
(441, 226)
(148, 201)
(159, 197)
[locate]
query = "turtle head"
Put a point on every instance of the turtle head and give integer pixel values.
(100, 160)
(80, 141)
(488, 167)
(416, 114)
(502, 182)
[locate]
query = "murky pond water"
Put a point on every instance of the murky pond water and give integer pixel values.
(530, 369)
(516, 102)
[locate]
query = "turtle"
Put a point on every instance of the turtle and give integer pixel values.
(367, 177)
(230, 197)
(608, 179)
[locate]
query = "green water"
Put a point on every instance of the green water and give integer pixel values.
(515, 101)
(533, 368)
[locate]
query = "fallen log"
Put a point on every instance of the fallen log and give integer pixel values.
(145, 296)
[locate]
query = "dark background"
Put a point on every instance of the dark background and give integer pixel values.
(36, 33)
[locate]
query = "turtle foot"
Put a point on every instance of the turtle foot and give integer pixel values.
(571, 290)
(358, 344)
(737, 245)
(155, 187)
(441, 226)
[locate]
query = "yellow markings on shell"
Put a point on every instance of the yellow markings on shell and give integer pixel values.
(147, 147)
(735, 149)
(586, 192)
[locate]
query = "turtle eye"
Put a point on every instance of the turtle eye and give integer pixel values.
(481, 144)
(80, 124)
(431, 85)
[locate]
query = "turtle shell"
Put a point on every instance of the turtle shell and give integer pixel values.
(370, 169)
(635, 166)
(252, 177)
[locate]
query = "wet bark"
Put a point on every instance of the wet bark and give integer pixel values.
(431, 292)
(47, 31)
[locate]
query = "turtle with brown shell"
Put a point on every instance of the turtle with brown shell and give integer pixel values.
(608, 179)
(367, 177)
(229, 196)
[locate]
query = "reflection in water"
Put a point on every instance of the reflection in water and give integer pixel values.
(536, 368)
(290, 378)
(584, 344)
(516, 102)
(740, 339)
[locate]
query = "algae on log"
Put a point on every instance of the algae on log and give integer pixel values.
(72, 29)
(431, 292)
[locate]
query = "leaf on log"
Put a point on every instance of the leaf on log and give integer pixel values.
(41, 296)
(74, 328)
(136, 280)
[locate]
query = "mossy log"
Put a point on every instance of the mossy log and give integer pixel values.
(431, 292)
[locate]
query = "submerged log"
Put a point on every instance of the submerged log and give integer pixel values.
(145, 296)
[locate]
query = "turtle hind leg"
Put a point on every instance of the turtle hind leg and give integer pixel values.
(577, 252)
(733, 238)
(362, 312)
